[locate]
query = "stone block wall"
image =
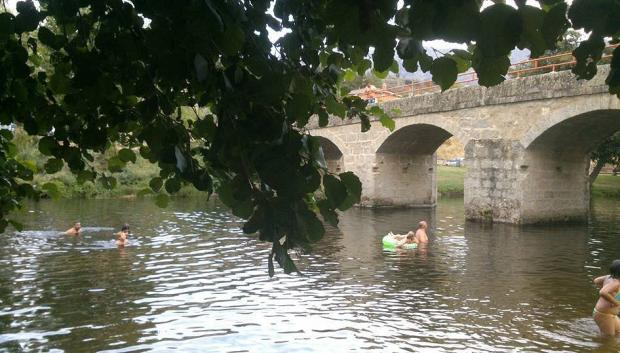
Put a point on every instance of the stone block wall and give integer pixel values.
(555, 187)
(492, 192)
(402, 180)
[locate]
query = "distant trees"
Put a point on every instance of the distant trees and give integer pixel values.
(607, 153)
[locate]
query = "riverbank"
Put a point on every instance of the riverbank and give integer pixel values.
(135, 179)
(450, 181)
(606, 185)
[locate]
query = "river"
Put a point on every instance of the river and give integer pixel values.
(191, 281)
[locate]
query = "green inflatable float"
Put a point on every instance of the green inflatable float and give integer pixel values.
(389, 243)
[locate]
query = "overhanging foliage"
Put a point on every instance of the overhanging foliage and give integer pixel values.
(84, 74)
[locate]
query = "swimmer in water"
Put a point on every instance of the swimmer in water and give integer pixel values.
(420, 236)
(605, 312)
(75, 230)
(121, 237)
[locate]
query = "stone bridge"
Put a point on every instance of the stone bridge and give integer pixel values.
(527, 145)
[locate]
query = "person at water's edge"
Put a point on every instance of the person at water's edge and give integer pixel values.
(605, 312)
(75, 230)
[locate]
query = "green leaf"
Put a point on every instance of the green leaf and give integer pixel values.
(462, 58)
(203, 182)
(283, 258)
(323, 118)
(385, 119)
(108, 182)
(31, 165)
(47, 146)
(127, 155)
(144, 192)
(243, 209)
(7, 25)
(59, 83)
(334, 107)
(309, 225)
(162, 200)
(381, 74)
(354, 190)
(115, 164)
(327, 212)
(173, 185)
(232, 40)
(445, 72)
(588, 54)
(532, 36)
(28, 18)
(225, 194)
(201, 66)
(613, 79)
(490, 70)
(349, 75)
(52, 190)
(394, 67)
(500, 30)
(85, 175)
(204, 128)
(298, 109)
(383, 57)
(409, 49)
(53, 165)
(335, 190)
(363, 66)
(156, 184)
(47, 37)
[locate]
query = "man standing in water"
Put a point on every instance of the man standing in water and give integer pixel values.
(75, 230)
(420, 236)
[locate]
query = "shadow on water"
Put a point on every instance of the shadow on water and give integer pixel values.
(193, 282)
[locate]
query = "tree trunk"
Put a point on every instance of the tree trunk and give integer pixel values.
(597, 169)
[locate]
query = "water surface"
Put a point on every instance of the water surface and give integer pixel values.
(190, 281)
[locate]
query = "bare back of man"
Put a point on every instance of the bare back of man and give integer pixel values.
(420, 234)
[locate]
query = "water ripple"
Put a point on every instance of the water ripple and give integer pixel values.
(193, 282)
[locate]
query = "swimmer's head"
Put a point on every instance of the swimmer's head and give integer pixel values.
(77, 226)
(125, 228)
(614, 269)
(422, 225)
(410, 235)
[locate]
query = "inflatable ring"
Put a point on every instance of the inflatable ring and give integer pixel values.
(390, 243)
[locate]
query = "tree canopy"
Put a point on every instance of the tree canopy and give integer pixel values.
(607, 153)
(84, 74)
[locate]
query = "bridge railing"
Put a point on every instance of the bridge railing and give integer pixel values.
(530, 67)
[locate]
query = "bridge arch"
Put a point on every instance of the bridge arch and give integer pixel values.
(556, 164)
(405, 165)
(332, 150)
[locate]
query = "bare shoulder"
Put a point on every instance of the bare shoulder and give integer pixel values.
(611, 284)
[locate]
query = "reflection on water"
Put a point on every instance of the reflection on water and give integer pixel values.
(191, 281)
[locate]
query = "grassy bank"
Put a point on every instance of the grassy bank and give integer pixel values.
(606, 186)
(450, 183)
